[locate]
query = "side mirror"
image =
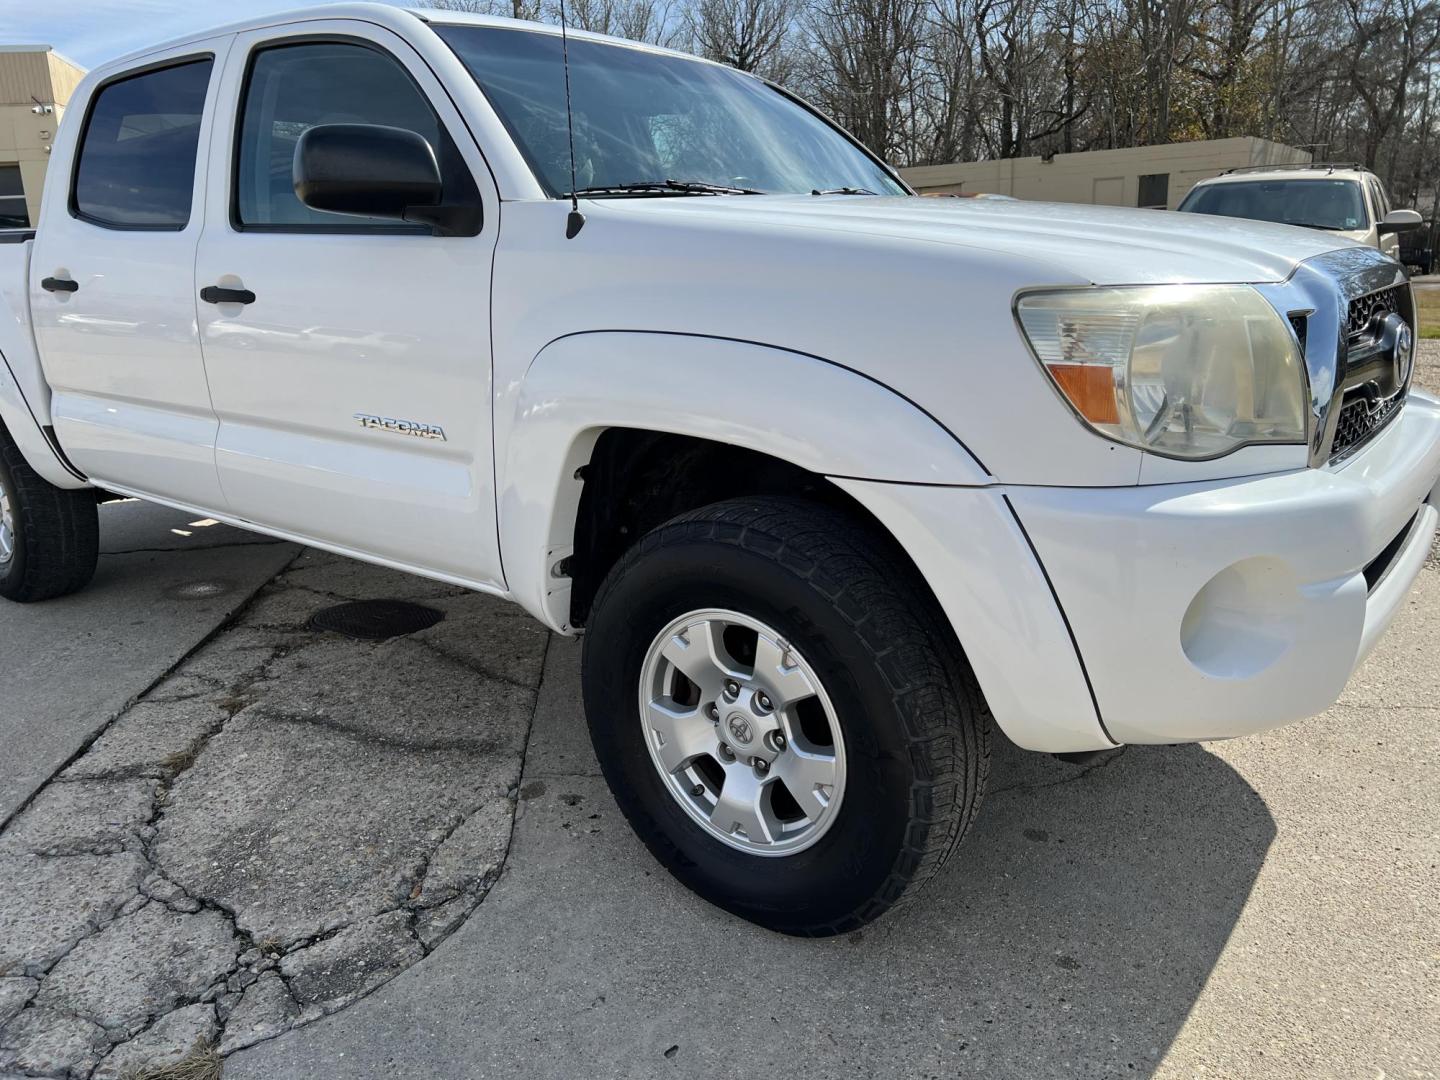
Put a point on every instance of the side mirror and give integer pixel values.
(1399, 221)
(377, 171)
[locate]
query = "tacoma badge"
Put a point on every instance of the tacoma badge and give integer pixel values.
(402, 427)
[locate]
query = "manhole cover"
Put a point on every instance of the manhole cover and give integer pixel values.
(376, 620)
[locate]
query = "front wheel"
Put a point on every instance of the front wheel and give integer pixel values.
(49, 537)
(783, 714)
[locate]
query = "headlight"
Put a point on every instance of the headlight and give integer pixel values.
(1189, 371)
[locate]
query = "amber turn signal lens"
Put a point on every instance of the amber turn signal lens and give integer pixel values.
(1090, 388)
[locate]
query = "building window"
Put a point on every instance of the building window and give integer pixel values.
(1154, 191)
(13, 214)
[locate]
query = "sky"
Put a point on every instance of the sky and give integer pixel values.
(93, 31)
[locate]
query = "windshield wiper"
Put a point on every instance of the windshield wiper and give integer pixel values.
(1313, 225)
(844, 191)
(684, 187)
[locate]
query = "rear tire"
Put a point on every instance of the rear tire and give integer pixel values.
(49, 537)
(860, 642)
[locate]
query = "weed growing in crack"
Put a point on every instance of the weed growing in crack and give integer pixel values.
(232, 703)
(202, 1063)
(180, 760)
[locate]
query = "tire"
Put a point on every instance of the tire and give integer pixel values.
(850, 613)
(53, 538)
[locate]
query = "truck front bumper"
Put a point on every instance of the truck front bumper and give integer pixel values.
(1223, 608)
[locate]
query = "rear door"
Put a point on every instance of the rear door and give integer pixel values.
(113, 282)
(353, 391)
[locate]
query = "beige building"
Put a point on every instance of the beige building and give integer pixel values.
(35, 84)
(1149, 176)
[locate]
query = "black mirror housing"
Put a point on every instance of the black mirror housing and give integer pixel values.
(367, 169)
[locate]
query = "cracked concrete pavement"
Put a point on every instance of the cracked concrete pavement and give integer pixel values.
(282, 848)
(166, 579)
(1262, 908)
(283, 822)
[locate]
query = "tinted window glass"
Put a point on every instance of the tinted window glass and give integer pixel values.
(13, 214)
(295, 87)
(644, 116)
(1319, 204)
(137, 160)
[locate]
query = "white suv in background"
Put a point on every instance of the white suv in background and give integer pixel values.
(1343, 198)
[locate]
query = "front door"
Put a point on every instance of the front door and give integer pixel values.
(113, 290)
(353, 386)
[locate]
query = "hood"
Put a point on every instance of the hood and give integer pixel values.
(1104, 245)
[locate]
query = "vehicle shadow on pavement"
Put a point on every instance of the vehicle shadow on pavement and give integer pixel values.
(1082, 918)
(1070, 936)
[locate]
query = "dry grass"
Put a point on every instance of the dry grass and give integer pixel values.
(1428, 303)
(202, 1063)
(270, 946)
(180, 760)
(1427, 366)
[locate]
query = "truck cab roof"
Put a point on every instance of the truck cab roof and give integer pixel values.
(383, 14)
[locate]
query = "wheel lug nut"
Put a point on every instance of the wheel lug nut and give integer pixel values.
(732, 688)
(713, 712)
(776, 741)
(761, 765)
(726, 752)
(762, 699)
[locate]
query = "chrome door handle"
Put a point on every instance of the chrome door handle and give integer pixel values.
(214, 294)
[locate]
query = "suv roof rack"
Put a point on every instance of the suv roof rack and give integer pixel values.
(1328, 166)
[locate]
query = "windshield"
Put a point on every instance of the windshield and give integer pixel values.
(1319, 204)
(647, 117)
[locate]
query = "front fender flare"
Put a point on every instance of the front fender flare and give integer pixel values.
(802, 409)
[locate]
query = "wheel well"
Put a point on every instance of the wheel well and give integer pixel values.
(636, 480)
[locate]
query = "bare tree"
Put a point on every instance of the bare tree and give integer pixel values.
(515, 9)
(1224, 58)
(866, 67)
(1390, 40)
(752, 35)
(650, 21)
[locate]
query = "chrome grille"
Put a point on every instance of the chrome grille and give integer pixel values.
(1363, 412)
(1363, 309)
(1361, 421)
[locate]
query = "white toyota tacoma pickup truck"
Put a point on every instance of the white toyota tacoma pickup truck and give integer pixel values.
(832, 477)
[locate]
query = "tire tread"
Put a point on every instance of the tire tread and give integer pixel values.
(58, 532)
(895, 619)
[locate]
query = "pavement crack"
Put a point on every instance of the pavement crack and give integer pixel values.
(442, 868)
(469, 747)
(84, 748)
(1086, 771)
(514, 796)
(470, 665)
(198, 547)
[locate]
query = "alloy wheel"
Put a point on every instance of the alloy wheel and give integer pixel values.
(742, 732)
